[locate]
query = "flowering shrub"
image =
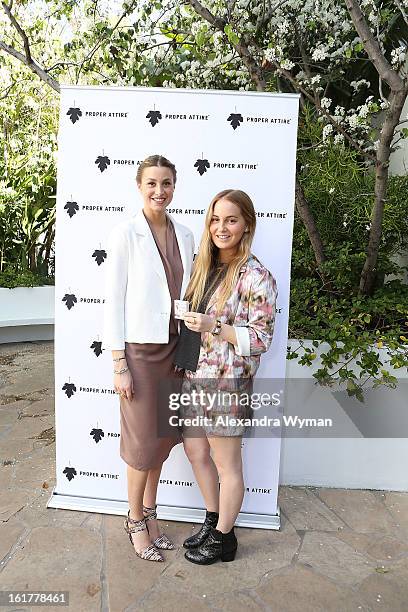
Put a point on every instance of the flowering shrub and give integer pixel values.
(348, 62)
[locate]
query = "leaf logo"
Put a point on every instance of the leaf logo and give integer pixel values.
(102, 161)
(100, 256)
(71, 208)
(236, 119)
(69, 389)
(97, 347)
(74, 114)
(97, 434)
(70, 300)
(154, 117)
(70, 473)
(202, 166)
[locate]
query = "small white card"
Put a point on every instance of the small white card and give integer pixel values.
(180, 308)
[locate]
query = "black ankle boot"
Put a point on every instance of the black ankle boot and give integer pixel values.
(211, 520)
(217, 546)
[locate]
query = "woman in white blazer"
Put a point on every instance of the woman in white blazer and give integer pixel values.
(147, 267)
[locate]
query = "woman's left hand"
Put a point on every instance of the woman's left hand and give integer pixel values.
(198, 322)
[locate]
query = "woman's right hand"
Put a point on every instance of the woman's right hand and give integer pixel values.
(123, 384)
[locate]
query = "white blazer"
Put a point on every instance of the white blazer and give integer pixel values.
(137, 299)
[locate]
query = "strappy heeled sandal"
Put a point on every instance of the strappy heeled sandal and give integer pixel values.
(131, 526)
(162, 541)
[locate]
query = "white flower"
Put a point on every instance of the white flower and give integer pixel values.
(5, 79)
(353, 121)
(327, 130)
(270, 54)
(325, 102)
(373, 17)
(363, 111)
(331, 41)
(218, 38)
(287, 64)
(331, 190)
(339, 110)
(356, 85)
(319, 54)
(338, 139)
(316, 79)
(398, 56)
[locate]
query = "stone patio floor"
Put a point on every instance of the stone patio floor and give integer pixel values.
(337, 549)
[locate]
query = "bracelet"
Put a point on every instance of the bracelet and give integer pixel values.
(216, 330)
(120, 371)
(118, 358)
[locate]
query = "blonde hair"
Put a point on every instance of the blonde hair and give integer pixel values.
(207, 257)
(155, 161)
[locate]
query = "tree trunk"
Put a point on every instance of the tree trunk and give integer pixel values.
(369, 271)
(306, 215)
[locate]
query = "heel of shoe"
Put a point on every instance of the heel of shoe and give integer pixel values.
(228, 556)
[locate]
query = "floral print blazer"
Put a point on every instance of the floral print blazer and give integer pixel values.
(251, 310)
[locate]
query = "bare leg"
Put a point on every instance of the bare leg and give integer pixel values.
(228, 460)
(149, 499)
(205, 472)
(136, 482)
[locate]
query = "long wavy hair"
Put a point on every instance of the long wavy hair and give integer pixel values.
(208, 254)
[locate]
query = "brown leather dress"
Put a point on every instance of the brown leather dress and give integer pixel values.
(144, 439)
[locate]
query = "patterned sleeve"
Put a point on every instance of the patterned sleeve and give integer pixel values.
(256, 337)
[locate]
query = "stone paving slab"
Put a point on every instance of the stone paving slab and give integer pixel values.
(306, 511)
(397, 504)
(337, 550)
(299, 589)
(330, 557)
(348, 505)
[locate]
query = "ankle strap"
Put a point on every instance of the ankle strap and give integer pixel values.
(136, 525)
(150, 513)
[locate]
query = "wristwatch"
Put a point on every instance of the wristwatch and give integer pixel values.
(217, 328)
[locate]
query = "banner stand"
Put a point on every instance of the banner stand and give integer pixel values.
(166, 513)
(217, 140)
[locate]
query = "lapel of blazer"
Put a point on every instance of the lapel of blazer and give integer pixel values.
(148, 245)
(185, 256)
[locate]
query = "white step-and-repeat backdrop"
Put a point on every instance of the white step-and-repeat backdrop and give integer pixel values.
(217, 140)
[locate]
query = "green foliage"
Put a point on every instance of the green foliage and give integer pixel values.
(324, 303)
(340, 189)
(11, 279)
(28, 120)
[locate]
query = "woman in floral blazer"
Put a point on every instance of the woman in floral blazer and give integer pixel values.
(232, 298)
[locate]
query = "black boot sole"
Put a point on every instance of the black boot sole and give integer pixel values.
(226, 558)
